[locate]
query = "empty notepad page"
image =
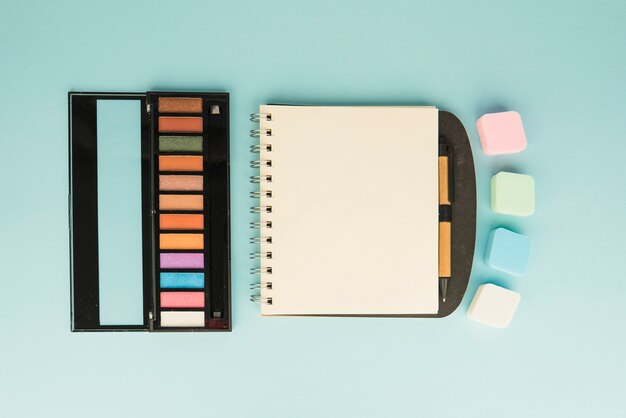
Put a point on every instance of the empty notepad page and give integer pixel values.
(354, 210)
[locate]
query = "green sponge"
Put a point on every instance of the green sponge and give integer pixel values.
(513, 194)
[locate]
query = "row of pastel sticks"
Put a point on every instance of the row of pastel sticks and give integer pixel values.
(182, 292)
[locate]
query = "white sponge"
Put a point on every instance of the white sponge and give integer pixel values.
(493, 305)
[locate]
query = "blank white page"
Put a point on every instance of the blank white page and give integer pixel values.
(354, 210)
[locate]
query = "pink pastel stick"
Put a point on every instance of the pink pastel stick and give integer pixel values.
(182, 299)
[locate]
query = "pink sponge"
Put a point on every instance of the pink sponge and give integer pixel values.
(501, 133)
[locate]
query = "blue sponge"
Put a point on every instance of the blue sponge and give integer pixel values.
(508, 251)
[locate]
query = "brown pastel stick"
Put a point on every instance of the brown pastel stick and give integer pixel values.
(180, 105)
(180, 183)
(169, 221)
(181, 241)
(180, 163)
(181, 202)
(182, 124)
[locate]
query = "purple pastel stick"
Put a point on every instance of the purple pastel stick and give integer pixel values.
(182, 260)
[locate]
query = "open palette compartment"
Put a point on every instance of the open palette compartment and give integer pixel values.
(149, 211)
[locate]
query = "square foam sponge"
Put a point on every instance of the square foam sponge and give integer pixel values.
(501, 133)
(493, 305)
(513, 194)
(508, 251)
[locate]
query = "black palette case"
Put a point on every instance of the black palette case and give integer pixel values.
(207, 143)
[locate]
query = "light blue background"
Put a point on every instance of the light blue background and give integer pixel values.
(561, 64)
(120, 266)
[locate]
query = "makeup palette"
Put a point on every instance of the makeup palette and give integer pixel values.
(149, 211)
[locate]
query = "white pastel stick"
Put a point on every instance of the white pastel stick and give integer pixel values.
(182, 318)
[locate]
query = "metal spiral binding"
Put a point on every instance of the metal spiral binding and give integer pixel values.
(261, 254)
(261, 209)
(258, 117)
(261, 179)
(259, 286)
(259, 225)
(260, 163)
(261, 299)
(260, 193)
(256, 133)
(264, 180)
(257, 148)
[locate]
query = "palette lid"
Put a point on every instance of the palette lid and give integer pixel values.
(110, 212)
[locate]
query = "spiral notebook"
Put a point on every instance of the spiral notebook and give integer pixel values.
(348, 204)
